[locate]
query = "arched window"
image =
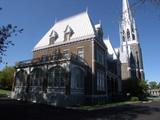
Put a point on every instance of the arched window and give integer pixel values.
(56, 77)
(132, 28)
(133, 36)
(21, 78)
(123, 36)
(36, 77)
(128, 34)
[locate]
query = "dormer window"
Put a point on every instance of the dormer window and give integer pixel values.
(53, 37)
(68, 33)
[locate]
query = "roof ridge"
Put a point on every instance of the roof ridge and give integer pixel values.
(70, 17)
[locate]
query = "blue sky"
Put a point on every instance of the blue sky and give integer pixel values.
(37, 16)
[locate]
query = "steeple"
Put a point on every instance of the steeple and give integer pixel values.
(128, 30)
(130, 50)
(126, 12)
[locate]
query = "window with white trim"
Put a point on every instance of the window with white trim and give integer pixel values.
(66, 53)
(67, 36)
(80, 53)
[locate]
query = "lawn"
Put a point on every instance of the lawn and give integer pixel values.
(114, 104)
(5, 92)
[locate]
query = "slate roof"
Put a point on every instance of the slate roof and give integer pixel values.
(111, 50)
(80, 24)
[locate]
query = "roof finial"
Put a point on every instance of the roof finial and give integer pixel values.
(87, 9)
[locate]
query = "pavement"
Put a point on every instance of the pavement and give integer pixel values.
(18, 110)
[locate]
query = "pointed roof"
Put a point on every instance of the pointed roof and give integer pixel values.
(111, 50)
(53, 34)
(126, 12)
(68, 29)
(80, 24)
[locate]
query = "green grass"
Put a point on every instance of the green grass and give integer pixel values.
(92, 107)
(5, 92)
(154, 98)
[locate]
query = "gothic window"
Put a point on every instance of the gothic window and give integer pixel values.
(128, 34)
(21, 78)
(123, 32)
(53, 36)
(132, 28)
(68, 33)
(133, 36)
(56, 76)
(36, 77)
(123, 36)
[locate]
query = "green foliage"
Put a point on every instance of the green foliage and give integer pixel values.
(5, 92)
(153, 85)
(136, 88)
(6, 77)
(159, 85)
(6, 31)
(134, 99)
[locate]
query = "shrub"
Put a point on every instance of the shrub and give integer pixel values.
(134, 99)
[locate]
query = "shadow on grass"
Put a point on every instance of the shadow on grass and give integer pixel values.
(17, 110)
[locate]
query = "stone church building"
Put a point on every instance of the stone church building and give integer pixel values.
(73, 64)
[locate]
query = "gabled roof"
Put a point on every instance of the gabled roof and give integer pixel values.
(80, 24)
(111, 50)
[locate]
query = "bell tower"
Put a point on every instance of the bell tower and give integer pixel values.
(130, 49)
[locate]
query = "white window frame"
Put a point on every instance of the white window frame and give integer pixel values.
(66, 53)
(80, 53)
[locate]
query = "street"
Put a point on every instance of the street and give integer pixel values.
(17, 110)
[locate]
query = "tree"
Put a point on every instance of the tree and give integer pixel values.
(156, 2)
(6, 77)
(7, 31)
(159, 85)
(142, 86)
(153, 85)
(141, 2)
(136, 88)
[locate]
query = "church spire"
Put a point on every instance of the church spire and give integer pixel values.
(130, 50)
(128, 29)
(126, 12)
